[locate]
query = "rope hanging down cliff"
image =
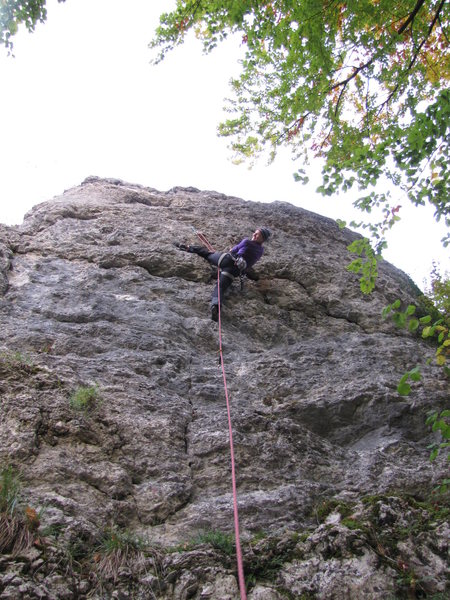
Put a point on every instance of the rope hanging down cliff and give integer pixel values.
(240, 566)
(237, 261)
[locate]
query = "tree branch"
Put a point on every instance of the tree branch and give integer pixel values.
(430, 29)
(292, 129)
(411, 64)
(411, 16)
(354, 74)
(341, 93)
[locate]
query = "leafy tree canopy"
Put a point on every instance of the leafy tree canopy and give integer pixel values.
(362, 84)
(13, 13)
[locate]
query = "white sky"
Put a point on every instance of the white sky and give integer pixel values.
(81, 98)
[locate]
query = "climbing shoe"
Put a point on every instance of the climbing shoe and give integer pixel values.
(182, 247)
(215, 312)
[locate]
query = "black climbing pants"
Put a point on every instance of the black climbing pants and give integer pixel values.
(228, 270)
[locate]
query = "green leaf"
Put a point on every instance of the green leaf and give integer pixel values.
(404, 389)
(443, 487)
(399, 319)
(431, 417)
(425, 319)
(404, 378)
(355, 266)
(415, 374)
(445, 431)
(411, 309)
(413, 325)
(441, 426)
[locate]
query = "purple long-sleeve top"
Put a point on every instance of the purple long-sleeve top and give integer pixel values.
(250, 251)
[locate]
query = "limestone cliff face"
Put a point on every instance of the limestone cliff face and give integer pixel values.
(93, 293)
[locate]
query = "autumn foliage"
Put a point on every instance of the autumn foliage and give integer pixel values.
(361, 85)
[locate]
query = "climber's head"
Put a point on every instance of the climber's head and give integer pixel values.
(261, 235)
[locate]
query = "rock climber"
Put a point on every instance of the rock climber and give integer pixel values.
(237, 261)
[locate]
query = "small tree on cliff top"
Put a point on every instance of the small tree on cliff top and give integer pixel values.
(362, 84)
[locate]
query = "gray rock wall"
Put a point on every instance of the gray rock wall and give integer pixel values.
(93, 293)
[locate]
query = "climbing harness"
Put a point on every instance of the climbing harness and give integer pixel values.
(221, 257)
(240, 566)
(239, 262)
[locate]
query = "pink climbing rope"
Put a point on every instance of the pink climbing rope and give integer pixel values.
(240, 565)
(233, 473)
(203, 239)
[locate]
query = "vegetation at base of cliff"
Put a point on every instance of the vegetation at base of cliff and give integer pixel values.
(385, 523)
(118, 551)
(223, 542)
(385, 531)
(18, 524)
(9, 490)
(430, 510)
(264, 558)
(118, 554)
(121, 560)
(219, 540)
(117, 559)
(380, 522)
(324, 508)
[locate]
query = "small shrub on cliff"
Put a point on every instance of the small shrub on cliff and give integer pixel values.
(118, 552)
(326, 507)
(9, 490)
(434, 327)
(217, 539)
(16, 362)
(84, 398)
